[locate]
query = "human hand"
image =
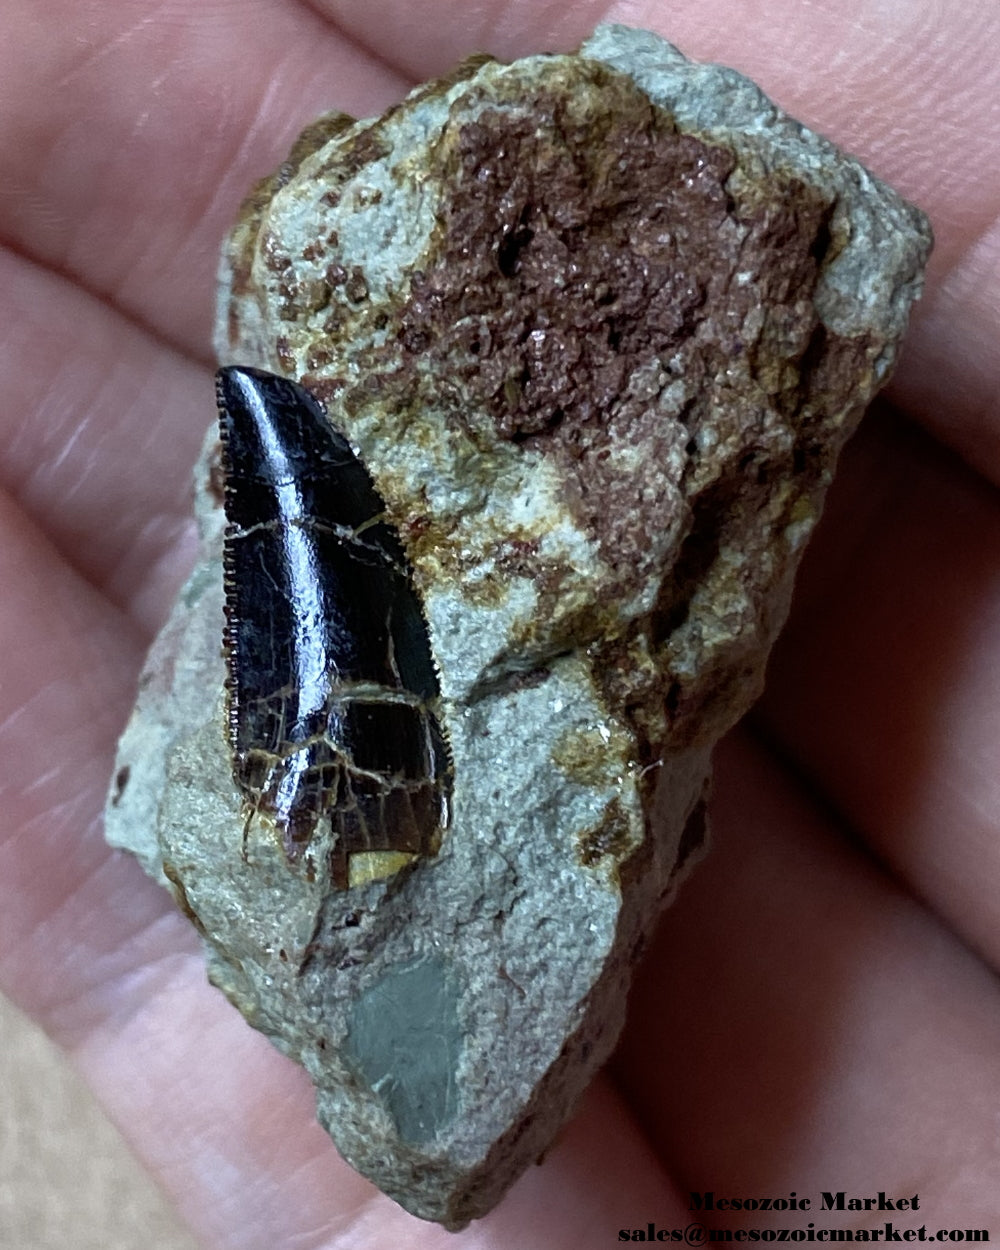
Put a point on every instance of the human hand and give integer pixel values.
(820, 1008)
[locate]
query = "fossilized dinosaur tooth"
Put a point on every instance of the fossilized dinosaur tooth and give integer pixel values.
(331, 684)
(592, 330)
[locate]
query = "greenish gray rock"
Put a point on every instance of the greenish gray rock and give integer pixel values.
(599, 326)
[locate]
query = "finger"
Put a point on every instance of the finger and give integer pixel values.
(800, 1024)
(950, 371)
(99, 429)
(910, 89)
(133, 130)
(71, 919)
(885, 687)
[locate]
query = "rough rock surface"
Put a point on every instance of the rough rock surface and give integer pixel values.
(598, 325)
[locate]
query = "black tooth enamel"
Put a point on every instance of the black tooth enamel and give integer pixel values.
(331, 683)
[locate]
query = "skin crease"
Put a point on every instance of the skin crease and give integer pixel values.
(820, 1009)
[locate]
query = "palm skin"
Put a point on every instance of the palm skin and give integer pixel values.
(820, 1010)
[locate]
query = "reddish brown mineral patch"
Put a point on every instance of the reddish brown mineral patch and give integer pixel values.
(601, 282)
(585, 239)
